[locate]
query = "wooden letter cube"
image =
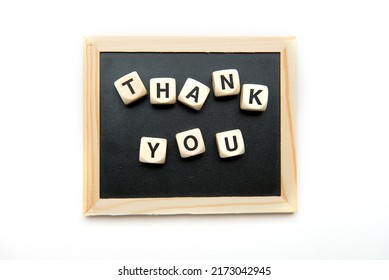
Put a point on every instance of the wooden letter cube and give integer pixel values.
(226, 82)
(190, 143)
(130, 87)
(254, 97)
(193, 94)
(152, 150)
(230, 143)
(162, 91)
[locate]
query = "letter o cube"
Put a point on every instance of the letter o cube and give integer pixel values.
(152, 150)
(130, 87)
(230, 143)
(190, 143)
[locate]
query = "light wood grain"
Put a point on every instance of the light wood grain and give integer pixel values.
(94, 205)
(190, 205)
(190, 44)
(91, 110)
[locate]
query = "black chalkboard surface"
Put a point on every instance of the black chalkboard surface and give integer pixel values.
(256, 173)
(262, 180)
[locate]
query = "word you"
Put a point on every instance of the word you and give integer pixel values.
(191, 143)
(253, 97)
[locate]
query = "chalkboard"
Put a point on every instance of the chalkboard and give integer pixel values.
(126, 186)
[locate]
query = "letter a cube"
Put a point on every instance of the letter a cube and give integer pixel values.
(193, 94)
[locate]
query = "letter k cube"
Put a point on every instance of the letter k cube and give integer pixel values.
(254, 97)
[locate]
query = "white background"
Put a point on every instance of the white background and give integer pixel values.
(342, 133)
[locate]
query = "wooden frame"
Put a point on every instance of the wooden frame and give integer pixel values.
(94, 205)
